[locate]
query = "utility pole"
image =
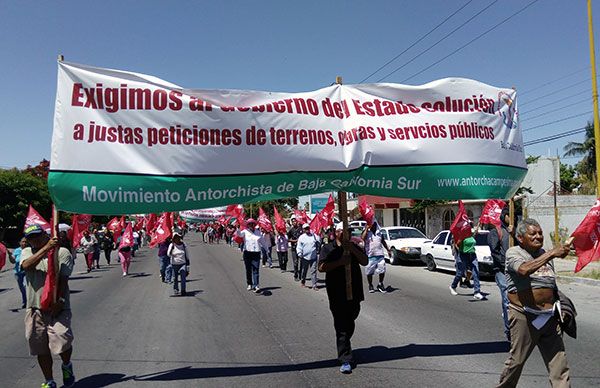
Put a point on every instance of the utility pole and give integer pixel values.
(594, 95)
(556, 236)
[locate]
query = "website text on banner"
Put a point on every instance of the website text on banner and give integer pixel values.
(125, 140)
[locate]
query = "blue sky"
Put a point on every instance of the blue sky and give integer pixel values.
(295, 46)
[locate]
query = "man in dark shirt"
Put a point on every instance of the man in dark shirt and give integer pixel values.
(293, 234)
(498, 240)
(333, 259)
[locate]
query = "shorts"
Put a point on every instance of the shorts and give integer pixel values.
(47, 335)
(376, 265)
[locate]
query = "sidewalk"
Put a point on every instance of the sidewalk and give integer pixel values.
(568, 265)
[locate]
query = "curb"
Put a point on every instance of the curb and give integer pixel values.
(578, 280)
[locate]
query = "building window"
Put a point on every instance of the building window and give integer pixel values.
(448, 218)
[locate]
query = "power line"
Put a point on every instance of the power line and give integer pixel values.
(555, 102)
(556, 91)
(554, 81)
(439, 41)
(554, 110)
(415, 43)
(555, 137)
(557, 121)
(472, 40)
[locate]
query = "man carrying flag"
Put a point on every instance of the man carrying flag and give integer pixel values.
(48, 331)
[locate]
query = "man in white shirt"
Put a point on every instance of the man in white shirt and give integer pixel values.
(307, 249)
(374, 245)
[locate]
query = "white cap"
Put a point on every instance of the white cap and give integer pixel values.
(339, 226)
(305, 226)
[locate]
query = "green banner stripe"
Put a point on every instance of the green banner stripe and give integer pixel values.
(129, 194)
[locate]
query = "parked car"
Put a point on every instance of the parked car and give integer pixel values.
(437, 253)
(360, 223)
(404, 242)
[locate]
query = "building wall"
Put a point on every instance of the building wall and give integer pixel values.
(571, 211)
(435, 215)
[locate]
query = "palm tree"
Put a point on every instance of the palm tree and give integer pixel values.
(587, 149)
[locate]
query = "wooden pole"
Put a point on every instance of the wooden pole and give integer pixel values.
(54, 233)
(594, 95)
(511, 215)
(343, 209)
(556, 229)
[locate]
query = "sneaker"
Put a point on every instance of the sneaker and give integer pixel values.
(346, 368)
(49, 384)
(124, 274)
(257, 289)
(371, 289)
(478, 296)
(68, 376)
(176, 292)
(315, 288)
(249, 287)
(381, 288)
(453, 291)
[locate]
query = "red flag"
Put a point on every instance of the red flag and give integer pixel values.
(491, 212)
(315, 224)
(163, 230)
(139, 223)
(328, 212)
(301, 216)
(79, 223)
(366, 211)
(461, 226)
(49, 291)
(2, 255)
(127, 238)
(116, 227)
(587, 236)
(236, 211)
(279, 222)
(151, 222)
(33, 217)
(264, 221)
(222, 220)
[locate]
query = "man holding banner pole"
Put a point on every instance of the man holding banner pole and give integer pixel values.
(48, 331)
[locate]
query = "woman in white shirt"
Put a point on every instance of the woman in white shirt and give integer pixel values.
(180, 262)
(252, 250)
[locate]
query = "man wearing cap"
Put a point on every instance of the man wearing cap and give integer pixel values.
(344, 308)
(252, 248)
(48, 332)
(293, 234)
(307, 250)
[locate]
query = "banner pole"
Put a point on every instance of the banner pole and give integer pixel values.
(55, 254)
(343, 209)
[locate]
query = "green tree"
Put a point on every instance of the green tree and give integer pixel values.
(283, 205)
(19, 189)
(568, 178)
(587, 149)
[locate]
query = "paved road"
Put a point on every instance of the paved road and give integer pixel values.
(130, 332)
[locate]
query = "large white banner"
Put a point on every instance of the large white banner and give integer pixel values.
(135, 143)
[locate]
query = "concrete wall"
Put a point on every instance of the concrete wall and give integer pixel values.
(541, 174)
(434, 216)
(571, 211)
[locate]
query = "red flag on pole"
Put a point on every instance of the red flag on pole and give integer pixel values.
(127, 238)
(115, 227)
(461, 226)
(491, 212)
(587, 237)
(236, 211)
(79, 223)
(301, 216)
(151, 222)
(264, 221)
(366, 211)
(315, 223)
(328, 212)
(34, 218)
(163, 230)
(49, 292)
(279, 222)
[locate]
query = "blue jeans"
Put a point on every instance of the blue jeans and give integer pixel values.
(179, 270)
(467, 261)
(252, 263)
(501, 282)
(165, 268)
(267, 256)
(20, 277)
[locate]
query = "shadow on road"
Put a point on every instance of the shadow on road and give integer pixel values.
(139, 275)
(82, 277)
(102, 380)
(363, 356)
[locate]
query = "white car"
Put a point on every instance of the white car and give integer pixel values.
(404, 242)
(437, 254)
